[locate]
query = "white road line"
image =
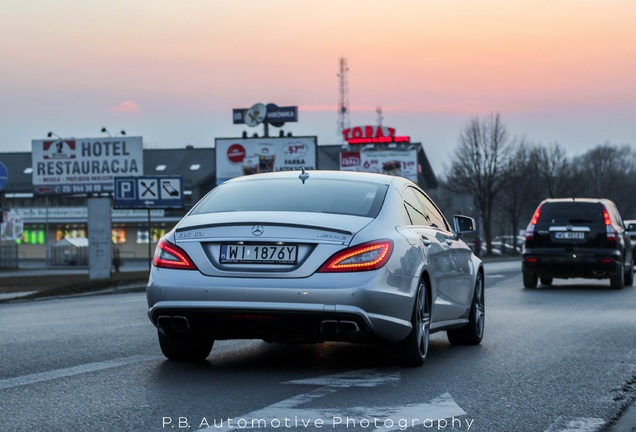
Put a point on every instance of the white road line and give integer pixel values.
(294, 412)
(577, 424)
(71, 371)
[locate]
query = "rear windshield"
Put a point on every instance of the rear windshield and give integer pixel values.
(291, 195)
(571, 213)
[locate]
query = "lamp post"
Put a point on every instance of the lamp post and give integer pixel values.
(104, 130)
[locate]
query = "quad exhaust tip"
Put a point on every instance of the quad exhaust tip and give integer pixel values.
(339, 326)
(173, 322)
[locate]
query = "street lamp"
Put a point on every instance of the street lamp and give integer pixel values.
(51, 134)
(104, 130)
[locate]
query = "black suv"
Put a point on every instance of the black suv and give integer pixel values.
(577, 238)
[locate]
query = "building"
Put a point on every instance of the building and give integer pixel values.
(48, 219)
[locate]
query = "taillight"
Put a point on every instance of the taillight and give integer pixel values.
(168, 255)
(609, 228)
(364, 257)
(533, 223)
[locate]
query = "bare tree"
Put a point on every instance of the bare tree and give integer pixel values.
(483, 148)
(515, 196)
(553, 171)
(608, 171)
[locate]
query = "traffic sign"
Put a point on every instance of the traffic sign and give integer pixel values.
(4, 176)
(148, 192)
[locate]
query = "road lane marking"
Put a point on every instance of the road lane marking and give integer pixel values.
(71, 371)
(578, 424)
(387, 417)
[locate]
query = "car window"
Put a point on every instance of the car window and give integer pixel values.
(616, 216)
(315, 196)
(436, 218)
(570, 213)
(422, 211)
(414, 208)
(631, 227)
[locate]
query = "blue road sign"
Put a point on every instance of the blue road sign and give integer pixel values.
(4, 176)
(148, 192)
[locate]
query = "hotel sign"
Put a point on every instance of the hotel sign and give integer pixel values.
(84, 165)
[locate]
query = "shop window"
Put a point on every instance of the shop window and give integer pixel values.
(69, 233)
(157, 233)
(32, 236)
(119, 236)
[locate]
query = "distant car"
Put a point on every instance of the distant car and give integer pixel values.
(577, 238)
(312, 257)
(507, 245)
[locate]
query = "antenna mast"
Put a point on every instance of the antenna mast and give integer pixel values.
(343, 100)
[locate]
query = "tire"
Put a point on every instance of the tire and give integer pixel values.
(414, 348)
(473, 332)
(629, 275)
(530, 280)
(617, 281)
(546, 281)
(182, 347)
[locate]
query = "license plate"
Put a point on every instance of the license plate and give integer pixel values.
(569, 235)
(258, 254)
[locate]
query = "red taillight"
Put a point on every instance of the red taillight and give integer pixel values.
(168, 255)
(364, 257)
(533, 222)
(609, 228)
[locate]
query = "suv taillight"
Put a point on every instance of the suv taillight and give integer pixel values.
(609, 228)
(533, 223)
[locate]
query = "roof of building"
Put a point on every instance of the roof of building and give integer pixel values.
(195, 165)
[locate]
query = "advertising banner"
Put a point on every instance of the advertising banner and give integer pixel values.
(393, 162)
(242, 156)
(13, 226)
(84, 165)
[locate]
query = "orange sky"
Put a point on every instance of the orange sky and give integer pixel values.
(557, 71)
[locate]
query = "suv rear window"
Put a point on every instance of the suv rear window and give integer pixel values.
(291, 195)
(570, 213)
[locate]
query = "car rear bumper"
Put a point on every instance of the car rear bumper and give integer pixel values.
(365, 306)
(572, 264)
(288, 322)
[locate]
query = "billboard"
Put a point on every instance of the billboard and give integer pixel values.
(84, 165)
(241, 156)
(394, 162)
(270, 113)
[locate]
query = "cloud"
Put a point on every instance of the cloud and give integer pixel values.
(127, 107)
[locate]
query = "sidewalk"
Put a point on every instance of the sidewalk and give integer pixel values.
(34, 277)
(39, 267)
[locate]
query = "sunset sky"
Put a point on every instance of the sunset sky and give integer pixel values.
(171, 71)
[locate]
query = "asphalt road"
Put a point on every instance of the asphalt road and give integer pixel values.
(553, 359)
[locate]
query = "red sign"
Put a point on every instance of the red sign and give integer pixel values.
(58, 149)
(349, 159)
(236, 153)
(373, 135)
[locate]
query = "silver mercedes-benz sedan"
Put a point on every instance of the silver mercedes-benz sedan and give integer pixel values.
(312, 257)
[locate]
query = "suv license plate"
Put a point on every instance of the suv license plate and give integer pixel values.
(569, 235)
(258, 254)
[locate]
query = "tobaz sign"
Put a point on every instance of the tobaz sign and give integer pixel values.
(373, 135)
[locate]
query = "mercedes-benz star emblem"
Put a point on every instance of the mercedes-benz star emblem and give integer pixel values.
(257, 230)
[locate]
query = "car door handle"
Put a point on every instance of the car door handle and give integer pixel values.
(426, 241)
(449, 241)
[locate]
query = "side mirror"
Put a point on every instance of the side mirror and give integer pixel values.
(464, 224)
